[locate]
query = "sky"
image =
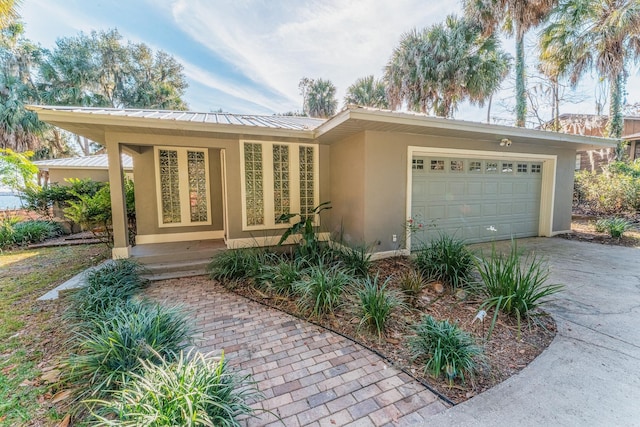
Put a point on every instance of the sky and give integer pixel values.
(247, 56)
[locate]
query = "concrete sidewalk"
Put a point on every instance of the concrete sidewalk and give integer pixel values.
(590, 375)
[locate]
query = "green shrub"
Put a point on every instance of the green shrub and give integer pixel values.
(321, 288)
(606, 193)
(445, 349)
(194, 390)
(375, 303)
(14, 232)
(237, 264)
(512, 285)
(411, 284)
(447, 259)
(282, 276)
(106, 287)
(614, 226)
(110, 351)
(356, 259)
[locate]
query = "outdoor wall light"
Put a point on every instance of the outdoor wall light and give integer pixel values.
(505, 142)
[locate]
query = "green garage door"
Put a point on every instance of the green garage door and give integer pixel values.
(475, 199)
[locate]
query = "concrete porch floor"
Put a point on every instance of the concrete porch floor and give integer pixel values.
(195, 247)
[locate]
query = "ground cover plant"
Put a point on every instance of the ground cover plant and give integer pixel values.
(14, 232)
(193, 390)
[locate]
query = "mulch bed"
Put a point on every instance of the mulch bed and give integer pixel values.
(507, 352)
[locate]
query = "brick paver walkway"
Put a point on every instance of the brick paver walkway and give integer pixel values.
(309, 376)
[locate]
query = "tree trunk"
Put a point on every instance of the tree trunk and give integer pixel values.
(521, 101)
(556, 105)
(489, 109)
(614, 128)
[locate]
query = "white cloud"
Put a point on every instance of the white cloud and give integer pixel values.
(338, 40)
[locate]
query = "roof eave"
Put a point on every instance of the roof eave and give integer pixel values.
(586, 142)
(71, 118)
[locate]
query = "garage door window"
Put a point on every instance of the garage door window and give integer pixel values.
(536, 168)
(523, 168)
(457, 166)
(437, 165)
(475, 167)
(491, 167)
(507, 167)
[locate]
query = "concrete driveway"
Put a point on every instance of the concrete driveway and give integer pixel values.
(590, 375)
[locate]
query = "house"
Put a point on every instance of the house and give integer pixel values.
(224, 176)
(595, 125)
(96, 167)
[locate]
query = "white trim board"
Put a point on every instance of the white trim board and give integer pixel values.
(547, 192)
(253, 242)
(142, 239)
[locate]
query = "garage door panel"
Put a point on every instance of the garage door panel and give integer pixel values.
(467, 204)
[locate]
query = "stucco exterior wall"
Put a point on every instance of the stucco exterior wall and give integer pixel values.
(347, 184)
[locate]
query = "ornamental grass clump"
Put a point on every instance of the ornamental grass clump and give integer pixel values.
(15, 232)
(616, 227)
(281, 277)
(445, 349)
(321, 287)
(447, 259)
(193, 390)
(411, 283)
(356, 259)
(235, 264)
(375, 303)
(106, 287)
(513, 285)
(111, 350)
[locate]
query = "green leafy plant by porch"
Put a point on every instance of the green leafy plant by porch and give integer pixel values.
(445, 349)
(446, 258)
(193, 390)
(514, 285)
(309, 244)
(357, 259)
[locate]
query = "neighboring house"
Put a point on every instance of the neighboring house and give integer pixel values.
(56, 171)
(594, 125)
(224, 176)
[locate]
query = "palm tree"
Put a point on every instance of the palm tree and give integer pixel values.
(8, 12)
(514, 17)
(319, 97)
(434, 69)
(600, 34)
(367, 92)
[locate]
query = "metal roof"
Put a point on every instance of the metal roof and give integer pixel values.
(273, 122)
(98, 161)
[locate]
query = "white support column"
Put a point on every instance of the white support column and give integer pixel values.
(121, 247)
